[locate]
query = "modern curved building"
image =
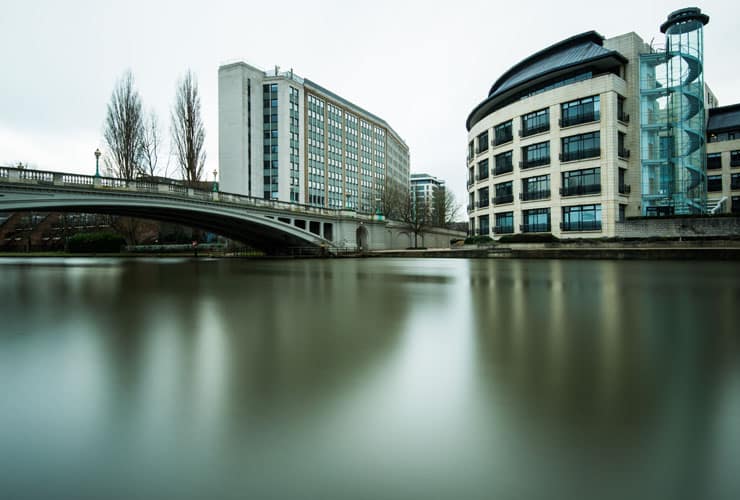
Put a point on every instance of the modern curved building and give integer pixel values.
(556, 145)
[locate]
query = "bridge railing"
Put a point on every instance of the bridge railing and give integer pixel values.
(172, 187)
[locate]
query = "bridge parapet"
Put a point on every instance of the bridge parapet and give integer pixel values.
(170, 187)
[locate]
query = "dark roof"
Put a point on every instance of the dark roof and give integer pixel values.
(723, 118)
(573, 53)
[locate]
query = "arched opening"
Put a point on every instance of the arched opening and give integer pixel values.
(361, 236)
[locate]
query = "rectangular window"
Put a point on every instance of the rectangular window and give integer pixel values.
(535, 155)
(714, 183)
(622, 210)
(536, 221)
(622, 151)
(581, 182)
(482, 198)
(483, 227)
(714, 161)
(503, 163)
(735, 158)
(504, 223)
(622, 116)
(470, 150)
(580, 111)
(471, 176)
(535, 122)
(582, 218)
(735, 181)
(735, 208)
(502, 133)
(503, 193)
(482, 170)
(581, 146)
(483, 142)
(623, 187)
(536, 188)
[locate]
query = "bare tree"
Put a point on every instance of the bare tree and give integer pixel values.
(124, 129)
(188, 133)
(445, 208)
(150, 146)
(398, 204)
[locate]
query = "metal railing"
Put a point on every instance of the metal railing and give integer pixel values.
(580, 190)
(534, 163)
(534, 195)
(581, 225)
(579, 118)
(580, 154)
(503, 169)
(504, 198)
(535, 228)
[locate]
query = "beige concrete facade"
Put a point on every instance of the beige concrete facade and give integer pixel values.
(609, 87)
(730, 173)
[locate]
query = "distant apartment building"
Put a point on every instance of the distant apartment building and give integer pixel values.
(424, 188)
(283, 137)
(588, 131)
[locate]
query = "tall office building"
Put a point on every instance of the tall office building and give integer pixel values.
(588, 131)
(424, 187)
(283, 137)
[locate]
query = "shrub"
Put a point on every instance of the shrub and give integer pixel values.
(95, 243)
(528, 238)
(476, 240)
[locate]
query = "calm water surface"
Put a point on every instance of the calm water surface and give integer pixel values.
(354, 379)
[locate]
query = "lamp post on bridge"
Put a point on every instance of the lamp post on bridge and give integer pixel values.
(215, 184)
(97, 162)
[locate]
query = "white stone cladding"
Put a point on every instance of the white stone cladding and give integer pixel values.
(725, 148)
(237, 82)
(608, 87)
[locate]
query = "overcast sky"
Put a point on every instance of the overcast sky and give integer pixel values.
(419, 65)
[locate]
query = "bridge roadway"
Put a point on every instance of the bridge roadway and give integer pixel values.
(272, 226)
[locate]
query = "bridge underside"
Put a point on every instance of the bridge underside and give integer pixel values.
(257, 236)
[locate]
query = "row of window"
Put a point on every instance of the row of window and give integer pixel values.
(714, 160)
(714, 182)
(585, 110)
(574, 218)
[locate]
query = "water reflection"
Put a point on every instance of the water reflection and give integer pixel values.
(369, 379)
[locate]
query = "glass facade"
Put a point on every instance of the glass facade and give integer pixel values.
(536, 220)
(672, 125)
(503, 133)
(504, 163)
(504, 223)
(270, 141)
(582, 218)
(581, 182)
(483, 170)
(536, 188)
(581, 146)
(535, 122)
(295, 146)
(503, 193)
(535, 155)
(579, 111)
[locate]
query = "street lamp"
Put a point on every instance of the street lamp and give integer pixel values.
(97, 162)
(215, 184)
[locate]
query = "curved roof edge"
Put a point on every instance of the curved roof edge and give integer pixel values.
(506, 85)
(591, 36)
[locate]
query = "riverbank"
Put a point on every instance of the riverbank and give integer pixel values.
(632, 250)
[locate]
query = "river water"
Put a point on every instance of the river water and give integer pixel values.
(369, 379)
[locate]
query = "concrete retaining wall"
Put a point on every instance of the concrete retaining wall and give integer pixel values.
(679, 227)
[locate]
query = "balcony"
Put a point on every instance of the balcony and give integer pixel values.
(503, 139)
(580, 154)
(502, 199)
(482, 177)
(481, 203)
(526, 132)
(569, 121)
(623, 153)
(581, 225)
(535, 228)
(735, 183)
(470, 182)
(623, 117)
(482, 231)
(624, 189)
(580, 190)
(503, 229)
(734, 161)
(503, 169)
(524, 164)
(534, 195)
